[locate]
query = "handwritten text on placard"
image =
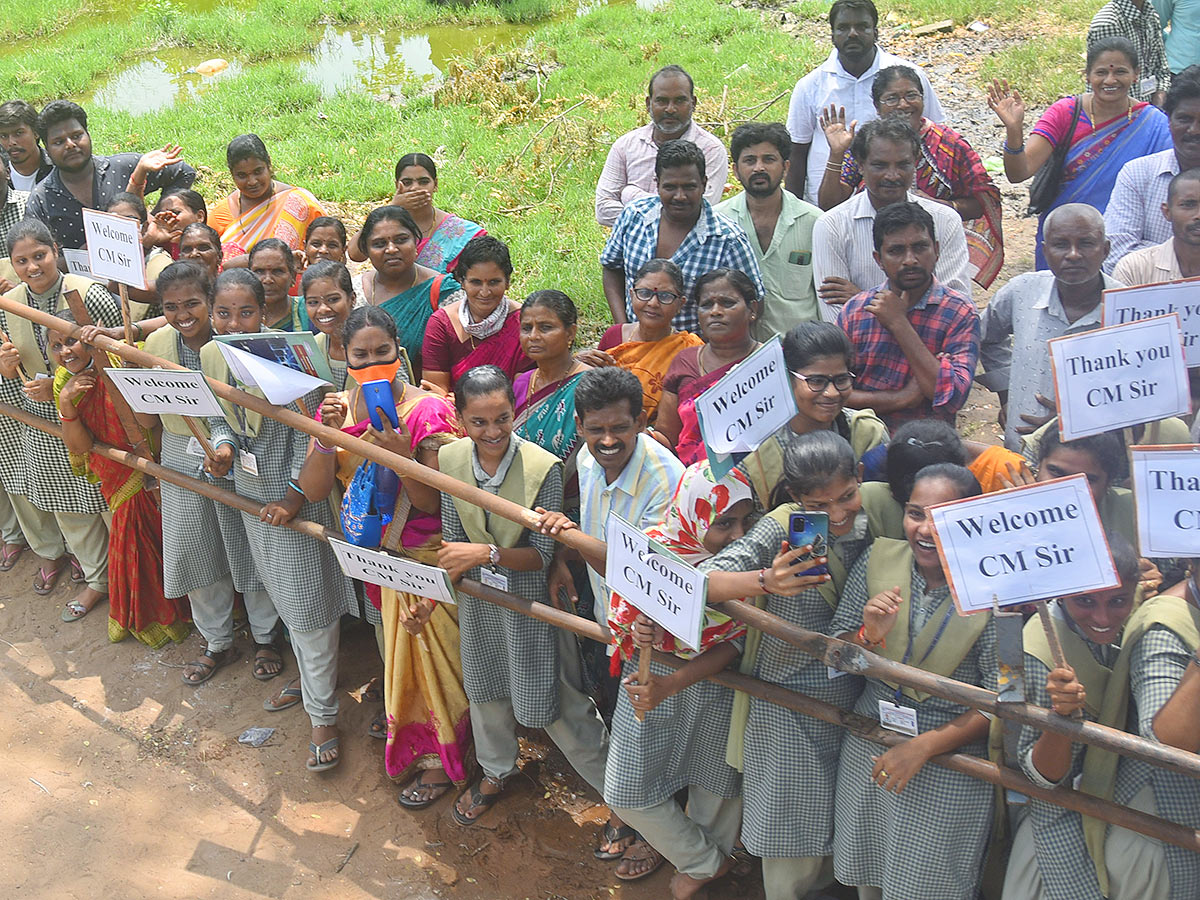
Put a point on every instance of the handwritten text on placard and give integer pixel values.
(114, 247)
(403, 575)
(1166, 489)
(1124, 305)
(1120, 376)
(1024, 544)
(160, 391)
(749, 404)
(658, 583)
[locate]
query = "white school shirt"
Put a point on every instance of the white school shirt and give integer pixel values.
(829, 84)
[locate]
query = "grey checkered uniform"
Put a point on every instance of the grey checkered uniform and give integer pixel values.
(50, 484)
(928, 842)
(680, 743)
(1158, 662)
(506, 654)
(790, 760)
(12, 443)
(1062, 858)
(300, 573)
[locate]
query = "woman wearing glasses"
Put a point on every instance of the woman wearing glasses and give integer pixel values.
(820, 359)
(949, 170)
(727, 304)
(648, 345)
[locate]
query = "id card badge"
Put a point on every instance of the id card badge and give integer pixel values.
(249, 462)
(493, 579)
(898, 718)
(194, 448)
(1147, 85)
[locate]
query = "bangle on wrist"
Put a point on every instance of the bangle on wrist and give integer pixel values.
(862, 638)
(67, 418)
(762, 579)
(1012, 150)
(321, 448)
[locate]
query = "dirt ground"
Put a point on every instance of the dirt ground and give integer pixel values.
(120, 781)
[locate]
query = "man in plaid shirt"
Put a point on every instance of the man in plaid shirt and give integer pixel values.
(1138, 22)
(678, 224)
(916, 341)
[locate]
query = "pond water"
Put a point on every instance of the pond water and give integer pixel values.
(376, 61)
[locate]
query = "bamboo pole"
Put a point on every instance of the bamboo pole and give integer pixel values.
(1085, 804)
(838, 654)
(1160, 829)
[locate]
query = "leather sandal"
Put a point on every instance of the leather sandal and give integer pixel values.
(479, 800)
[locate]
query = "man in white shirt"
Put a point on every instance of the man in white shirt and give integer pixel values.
(628, 173)
(844, 265)
(1179, 255)
(844, 80)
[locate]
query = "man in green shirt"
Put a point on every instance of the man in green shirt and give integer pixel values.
(779, 225)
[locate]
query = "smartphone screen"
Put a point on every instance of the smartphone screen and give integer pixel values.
(806, 528)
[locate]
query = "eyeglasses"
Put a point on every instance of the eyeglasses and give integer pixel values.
(666, 298)
(893, 100)
(819, 384)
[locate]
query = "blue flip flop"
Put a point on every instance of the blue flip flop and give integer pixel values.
(332, 744)
(292, 691)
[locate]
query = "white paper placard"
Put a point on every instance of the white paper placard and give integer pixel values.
(1166, 491)
(280, 384)
(1120, 376)
(1123, 305)
(77, 262)
(403, 575)
(114, 248)
(752, 402)
(1028, 543)
(656, 581)
(158, 391)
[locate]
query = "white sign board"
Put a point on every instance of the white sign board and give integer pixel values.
(1166, 490)
(403, 575)
(1024, 544)
(1120, 376)
(1124, 305)
(114, 248)
(158, 391)
(752, 402)
(280, 384)
(656, 581)
(77, 263)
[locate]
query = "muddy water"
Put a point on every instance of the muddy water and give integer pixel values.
(375, 61)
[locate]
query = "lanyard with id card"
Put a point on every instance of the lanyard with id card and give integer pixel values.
(246, 460)
(493, 579)
(893, 715)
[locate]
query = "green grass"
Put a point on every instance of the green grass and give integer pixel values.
(1042, 69)
(534, 190)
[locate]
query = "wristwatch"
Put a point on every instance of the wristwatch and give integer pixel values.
(493, 555)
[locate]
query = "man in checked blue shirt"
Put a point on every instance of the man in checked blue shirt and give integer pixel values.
(679, 225)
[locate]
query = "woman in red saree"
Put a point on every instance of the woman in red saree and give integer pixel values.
(477, 326)
(135, 563)
(728, 303)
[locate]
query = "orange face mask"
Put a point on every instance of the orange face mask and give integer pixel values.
(375, 372)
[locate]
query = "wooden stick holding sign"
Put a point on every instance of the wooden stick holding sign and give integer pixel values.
(126, 316)
(4, 339)
(644, 654)
(1056, 650)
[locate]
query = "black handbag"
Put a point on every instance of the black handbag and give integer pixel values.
(1047, 183)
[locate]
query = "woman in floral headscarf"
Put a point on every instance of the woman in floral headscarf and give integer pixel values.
(681, 742)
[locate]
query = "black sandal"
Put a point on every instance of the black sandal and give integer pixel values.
(220, 659)
(378, 728)
(434, 791)
(611, 836)
(261, 661)
(479, 800)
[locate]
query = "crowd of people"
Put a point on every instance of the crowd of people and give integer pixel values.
(861, 226)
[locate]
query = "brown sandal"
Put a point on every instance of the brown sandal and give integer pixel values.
(640, 852)
(479, 800)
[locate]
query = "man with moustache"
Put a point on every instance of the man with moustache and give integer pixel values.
(1037, 306)
(844, 264)
(916, 341)
(28, 163)
(628, 173)
(844, 80)
(82, 180)
(1133, 219)
(677, 224)
(779, 226)
(1179, 256)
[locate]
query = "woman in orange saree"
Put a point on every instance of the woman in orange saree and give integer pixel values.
(135, 564)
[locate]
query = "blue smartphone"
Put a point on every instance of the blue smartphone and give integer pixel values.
(378, 395)
(806, 528)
